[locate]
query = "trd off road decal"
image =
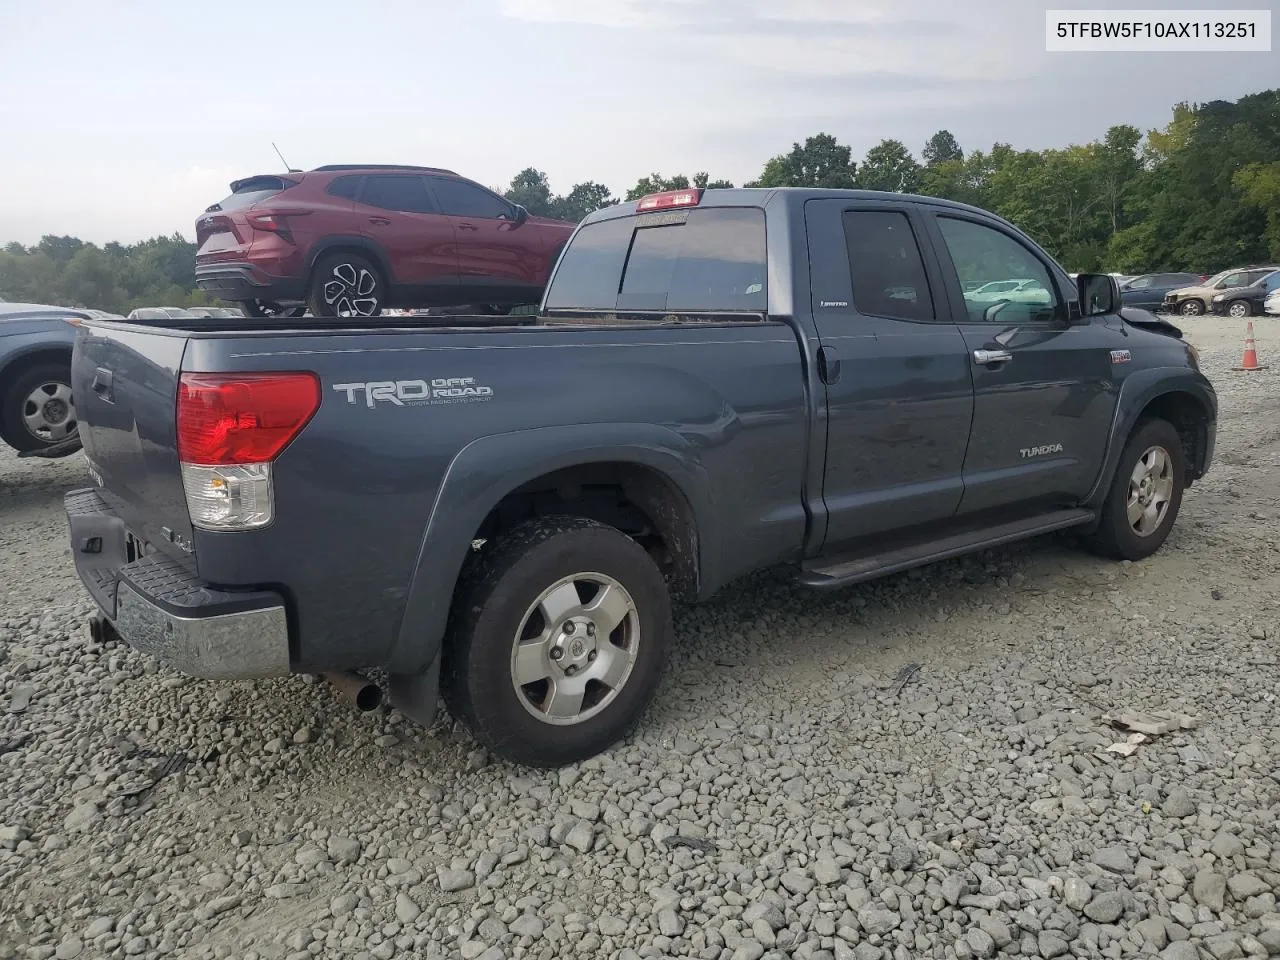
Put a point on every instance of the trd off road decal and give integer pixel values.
(415, 393)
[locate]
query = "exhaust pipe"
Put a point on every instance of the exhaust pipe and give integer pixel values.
(365, 694)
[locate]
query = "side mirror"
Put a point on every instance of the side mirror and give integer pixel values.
(519, 214)
(1098, 294)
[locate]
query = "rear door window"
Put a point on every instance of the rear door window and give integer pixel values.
(886, 267)
(345, 187)
(405, 193)
(695, 261)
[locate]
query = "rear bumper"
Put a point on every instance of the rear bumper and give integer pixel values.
(160, 608)
(241, 281)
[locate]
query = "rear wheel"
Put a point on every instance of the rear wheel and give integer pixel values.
(557, 641)
(264, 309)
(36, 410)
(1145, 494)
(1191, 308)
(346, 285)
(1240, 308)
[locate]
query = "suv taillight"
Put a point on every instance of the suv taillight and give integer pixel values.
(277, 223)
(230, 428)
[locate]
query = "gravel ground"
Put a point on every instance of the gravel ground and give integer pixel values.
(911, 768)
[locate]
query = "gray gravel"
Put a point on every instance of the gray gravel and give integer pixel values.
(794, 793)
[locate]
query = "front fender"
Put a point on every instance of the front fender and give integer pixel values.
(1137, 391)
(488, 469)
(46, 337)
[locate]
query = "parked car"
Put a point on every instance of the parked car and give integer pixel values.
(37, 414)
(506, 511)
(1147, 292)
(350, 239)
(1193, 300)
(1271, 306)
(1246, 301)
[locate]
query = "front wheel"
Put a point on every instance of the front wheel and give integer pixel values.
(557, 641)
(1191, 308)
(1240, 309)
(1145, 494)
(36, 409)
(346, 285)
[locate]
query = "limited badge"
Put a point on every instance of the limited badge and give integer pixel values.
(1120, 356)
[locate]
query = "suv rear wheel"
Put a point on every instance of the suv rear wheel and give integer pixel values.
(557, 641)
(346, 285)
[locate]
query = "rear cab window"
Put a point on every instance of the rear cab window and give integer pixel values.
(886, 267)
(709, 260)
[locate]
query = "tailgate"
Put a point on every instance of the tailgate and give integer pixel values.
(125, 381)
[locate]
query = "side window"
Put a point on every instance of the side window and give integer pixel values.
(1013, 284)
(403, 192)
(344, 187)
(1235, 280)
(886, 267)
(1273, 282)
(461, 199)
(1140, 284)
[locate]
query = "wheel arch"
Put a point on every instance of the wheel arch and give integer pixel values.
(350, 243)
(497, 481)
(25, 358)
(1183, 399)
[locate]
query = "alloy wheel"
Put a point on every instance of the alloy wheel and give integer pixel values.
(48, 412)
(575, 649)
(1150, 491)
(351, 291)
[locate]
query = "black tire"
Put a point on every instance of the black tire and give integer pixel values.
(498, 598)
(268, 309)
(1116, 536)
(1191, 308)
(58, 410)
(1239, 309)
(346, 285)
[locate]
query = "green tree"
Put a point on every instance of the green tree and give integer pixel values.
(889, 166)
(583, 199)
(1260, 185)
(822, 161)
(941, 148)
(657, 183)
(532, 190)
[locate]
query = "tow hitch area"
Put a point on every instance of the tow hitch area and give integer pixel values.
(101, 630)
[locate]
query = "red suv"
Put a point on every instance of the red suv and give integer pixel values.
(348, 240)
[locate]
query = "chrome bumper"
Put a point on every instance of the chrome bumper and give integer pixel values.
(159, 607)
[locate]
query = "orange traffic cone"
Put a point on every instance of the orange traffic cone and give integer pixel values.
(1250, 359)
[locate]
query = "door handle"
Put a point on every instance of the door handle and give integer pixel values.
(467, 226)
(380, 221)
(991, 356)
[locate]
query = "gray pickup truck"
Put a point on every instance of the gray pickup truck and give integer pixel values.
(717, 382)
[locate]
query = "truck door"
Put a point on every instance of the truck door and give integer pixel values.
(899, 392)
(1044, 392)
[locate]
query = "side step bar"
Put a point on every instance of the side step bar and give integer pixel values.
(840, 571)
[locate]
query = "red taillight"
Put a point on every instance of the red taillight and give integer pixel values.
(269, 223)
(671, 198)
(242, 418)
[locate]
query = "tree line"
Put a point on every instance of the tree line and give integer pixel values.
(1200, 195)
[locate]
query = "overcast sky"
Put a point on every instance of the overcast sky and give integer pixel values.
(124, 120)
